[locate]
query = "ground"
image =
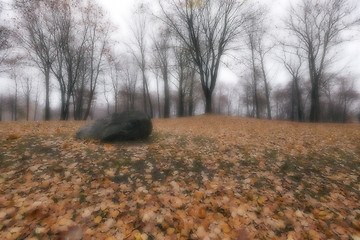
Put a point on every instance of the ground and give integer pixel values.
(206, 177)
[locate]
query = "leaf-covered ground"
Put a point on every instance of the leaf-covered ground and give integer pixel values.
(207, 177)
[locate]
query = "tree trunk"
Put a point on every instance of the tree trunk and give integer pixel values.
(166, 95)
(299, 100)
(47, 94)
(267, 89)
(132, 101)
(16, 104)
(255, 97)
(256, 100)
(180, 111)
(63, 106)
(208, 102)
(36, 106)
(144, 92)
(267, 94)
(181, 102)
(293, 93)
(315, 101)
(27, 106)
(147, 94)
(344, 111)
(89, 104)
(158, 96)
(191, 98)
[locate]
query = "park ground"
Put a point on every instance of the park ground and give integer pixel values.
(205, 177)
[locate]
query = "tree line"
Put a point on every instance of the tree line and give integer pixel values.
(169, 65)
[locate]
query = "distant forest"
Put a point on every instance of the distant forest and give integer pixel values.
(170, 62)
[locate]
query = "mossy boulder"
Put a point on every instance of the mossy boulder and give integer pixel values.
(129, 125)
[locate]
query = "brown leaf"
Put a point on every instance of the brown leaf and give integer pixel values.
(13, 137)
(242, 235)
(74, 233)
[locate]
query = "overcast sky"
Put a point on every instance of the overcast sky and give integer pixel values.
(120, 12)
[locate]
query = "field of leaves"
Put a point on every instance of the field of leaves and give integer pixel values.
(206, 177)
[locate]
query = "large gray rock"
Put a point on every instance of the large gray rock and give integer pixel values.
(132, 125)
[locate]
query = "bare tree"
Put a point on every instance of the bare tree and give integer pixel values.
(5, 45)
(190, 86)
(130, 77)
(97, 45)
(71, 44)
(14, 106)
(207, 28)
(318, 27)
(248, 95)
(347, 96)
(157, 74)
(36, 103)
(67, 38)
(281, 97)
(259, 46)
(139, 51)
(254, 75)
(37, 39)
(27, 87)
(162, 62)
(184, 74)
(114, 71)
(263, 52)
(293, 62)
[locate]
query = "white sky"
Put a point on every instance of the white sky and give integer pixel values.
(120, 12)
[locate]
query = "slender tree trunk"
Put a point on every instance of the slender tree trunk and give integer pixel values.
(181, 94)
(27, 106)
(266, 85)
(107, 106)
(248, 113)
(191, 96)
(16, 104)
(36, 106)
(255, 97)
(208, 102)
(344, 111)
(63, 103)
(67, 109)
(116, 100)
(147, 95)
(219, 103)
(256, 101)
(79, 101)
(89, 104)
(158, 96)
(315, 101)
(267, 94)
(78, 104)
(181, 102)
(144, 92)
(293, 102)
(132, 100)
(166, 95)
(299, 100)
(47, 95)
